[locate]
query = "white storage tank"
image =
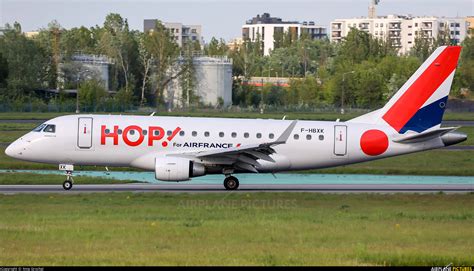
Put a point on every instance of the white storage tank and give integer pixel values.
(213, 82)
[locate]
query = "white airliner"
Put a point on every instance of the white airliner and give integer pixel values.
(179, 148)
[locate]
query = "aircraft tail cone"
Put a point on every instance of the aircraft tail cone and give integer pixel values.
(452, 138)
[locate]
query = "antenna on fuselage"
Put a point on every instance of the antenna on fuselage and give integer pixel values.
(284, 117)
(152, 114)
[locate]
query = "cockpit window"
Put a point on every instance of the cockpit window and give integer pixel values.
(39, 128)
(50, 128)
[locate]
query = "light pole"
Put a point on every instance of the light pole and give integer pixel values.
(342, 93)
(282, 67)
(262, 104)
(77, 92)
(261, 98)
(305, 56)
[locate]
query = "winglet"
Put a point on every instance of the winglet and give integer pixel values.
(286, 134)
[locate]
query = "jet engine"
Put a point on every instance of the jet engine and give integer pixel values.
(172, 169)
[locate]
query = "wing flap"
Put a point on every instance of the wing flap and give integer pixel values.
(260, 155)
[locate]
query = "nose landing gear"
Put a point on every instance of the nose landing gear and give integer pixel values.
(67, 185)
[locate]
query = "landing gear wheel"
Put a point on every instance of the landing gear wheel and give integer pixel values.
(67, 185)
(231, 183)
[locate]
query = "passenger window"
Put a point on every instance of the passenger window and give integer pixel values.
(50, 129)
(234, 134)
(119, 131)
(308, 137)
(144, 132)
(131, 132)
(157, 133)
(271, 136)
(107, 131)
(259, 135)
(296, 136)
(169, 132)
(206, 134)
(221, 134)
(39, 128)
(246, 135)
(194, 133)
(181, 133)
(321, 137)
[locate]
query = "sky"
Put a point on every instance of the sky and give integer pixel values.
(221, 19)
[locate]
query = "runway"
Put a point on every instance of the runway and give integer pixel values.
(244, 188)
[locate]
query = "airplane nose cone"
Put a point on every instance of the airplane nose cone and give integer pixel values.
(14, 149)
(10, 150)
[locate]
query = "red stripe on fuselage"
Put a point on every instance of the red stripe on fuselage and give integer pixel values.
(423, 87)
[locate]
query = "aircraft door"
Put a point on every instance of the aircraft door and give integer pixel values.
(84, 133)
(340, 140)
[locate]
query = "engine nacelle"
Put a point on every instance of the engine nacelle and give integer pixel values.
(172, 169)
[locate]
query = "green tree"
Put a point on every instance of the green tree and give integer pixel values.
(443, 37)
(395, 72)
(91, 94)
(124, 99)
(278, 39)
(165, 52)
(423, 46)
(187, 80)
(3, 72)
(283, 62)
(360, 45)
(146, 61)
(274, 95)
(216, 48)
(49, 41)
(464, 76)
(370, 86)
(78, 40)
(305, 92)
(26, 62)
(248, 59)
(118, 43)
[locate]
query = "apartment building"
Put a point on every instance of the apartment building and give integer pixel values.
(402, 30)
(470, 25)
(182, 33)
(264, 27)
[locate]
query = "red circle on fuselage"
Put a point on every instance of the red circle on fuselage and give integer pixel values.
(374, 142)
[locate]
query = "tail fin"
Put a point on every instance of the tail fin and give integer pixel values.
(420, 103)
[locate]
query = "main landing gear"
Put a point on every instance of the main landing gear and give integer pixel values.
(67, 185)
(231, 183)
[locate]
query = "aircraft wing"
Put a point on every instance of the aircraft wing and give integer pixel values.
(243, 157)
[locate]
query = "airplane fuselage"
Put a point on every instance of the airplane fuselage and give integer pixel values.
(135, 141)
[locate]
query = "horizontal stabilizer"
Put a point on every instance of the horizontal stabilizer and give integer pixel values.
(413, 138)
